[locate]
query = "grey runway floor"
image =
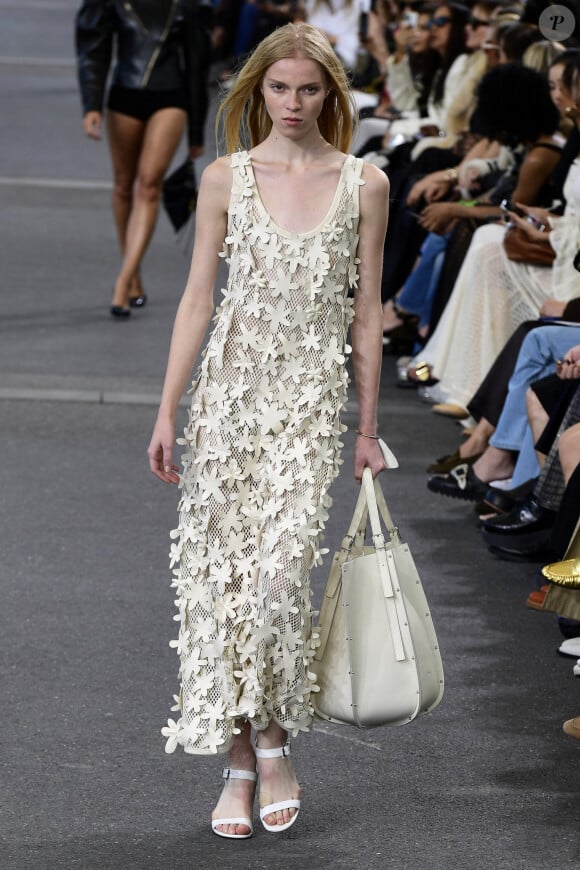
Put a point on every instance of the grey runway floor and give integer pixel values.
(487, 782)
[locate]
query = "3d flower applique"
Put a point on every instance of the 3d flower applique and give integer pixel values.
(332, 354)
(236, 239)
(192, 663)
(239, 159)
(350, 218)
(271, 251)
(285, 607)
(296, 261)
(246, 649)
(260, 230)
(214, 649)
(191, 730)
(254, 306)
(332, 233)
(173, 732)
(353, 275)
(278, 318)
(246, 262)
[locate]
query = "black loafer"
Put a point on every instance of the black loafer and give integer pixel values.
(461, 482)
(524, 531)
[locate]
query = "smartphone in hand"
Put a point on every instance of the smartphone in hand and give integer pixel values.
(506, 205)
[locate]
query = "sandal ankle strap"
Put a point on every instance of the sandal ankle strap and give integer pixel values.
(278, 752)
(232, 773)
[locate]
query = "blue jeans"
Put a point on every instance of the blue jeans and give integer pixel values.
(419, 288)
(537, 359)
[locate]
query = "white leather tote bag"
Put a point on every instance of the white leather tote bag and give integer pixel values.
(378, 661)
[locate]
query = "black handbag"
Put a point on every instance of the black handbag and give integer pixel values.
(180, 194)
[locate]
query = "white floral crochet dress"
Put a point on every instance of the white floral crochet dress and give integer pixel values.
(262, 449)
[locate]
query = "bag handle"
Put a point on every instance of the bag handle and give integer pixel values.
(370, 503)
(395, 611)
(377, 507)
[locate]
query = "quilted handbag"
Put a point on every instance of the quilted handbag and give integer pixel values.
(378, 660)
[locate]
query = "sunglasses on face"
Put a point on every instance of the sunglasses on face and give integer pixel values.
(477, 22)
(440, 21)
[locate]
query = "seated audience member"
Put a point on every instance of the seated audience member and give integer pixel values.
(510, 454)
(408, 71)
(475, 325)
(538, 525)
(519, 133)
(339, 21)
(486, 405)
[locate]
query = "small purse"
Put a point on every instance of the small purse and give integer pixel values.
(521, 249)
(378, 660)
(180, 194)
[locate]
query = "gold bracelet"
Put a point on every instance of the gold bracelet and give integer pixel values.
(364, 435)
(451, 175)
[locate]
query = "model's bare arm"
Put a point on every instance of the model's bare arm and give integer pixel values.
(367, 326)
(193, 314)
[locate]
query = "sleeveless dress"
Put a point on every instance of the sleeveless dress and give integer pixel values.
(262, 449)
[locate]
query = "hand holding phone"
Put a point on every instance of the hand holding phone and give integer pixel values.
(507, 206)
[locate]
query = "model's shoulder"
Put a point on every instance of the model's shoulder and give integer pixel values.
(219, 171)
(216, 178)
(375, 180)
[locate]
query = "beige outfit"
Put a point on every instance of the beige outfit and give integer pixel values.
(262, 449)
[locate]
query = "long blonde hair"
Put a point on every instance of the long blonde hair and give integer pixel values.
(243, 113)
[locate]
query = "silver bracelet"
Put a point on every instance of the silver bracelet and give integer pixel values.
(364, 435)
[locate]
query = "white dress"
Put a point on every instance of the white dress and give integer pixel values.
(262, 449)
(493, 295)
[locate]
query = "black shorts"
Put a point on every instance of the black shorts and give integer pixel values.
(142, 104)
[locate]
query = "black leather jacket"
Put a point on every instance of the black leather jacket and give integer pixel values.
(167, 41)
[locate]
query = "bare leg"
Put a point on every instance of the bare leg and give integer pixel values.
(537, 418)
(478, 440)
(277, 778)
(569, 450)
(495, 464)
(237, 797)
(163, 134)
(125, 137)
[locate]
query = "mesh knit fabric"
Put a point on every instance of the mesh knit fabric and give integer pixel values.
(262, 448)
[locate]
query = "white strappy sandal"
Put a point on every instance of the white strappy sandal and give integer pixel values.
(230, 773)
(291, 803)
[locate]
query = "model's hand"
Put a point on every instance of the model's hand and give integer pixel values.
(196, 151)
(439, 217)
(160, 451)
(552, 308)
(92, 123)
(569, 367)
(367, 454)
